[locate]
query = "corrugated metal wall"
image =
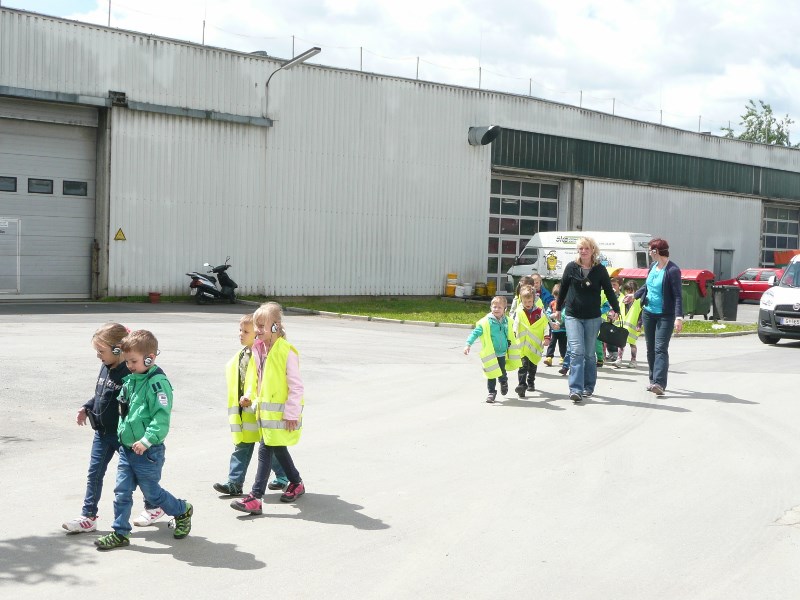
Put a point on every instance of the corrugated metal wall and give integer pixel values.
(694, 223)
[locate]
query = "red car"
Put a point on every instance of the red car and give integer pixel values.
(752, 282)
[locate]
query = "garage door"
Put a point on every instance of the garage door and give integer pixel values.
(47, 202)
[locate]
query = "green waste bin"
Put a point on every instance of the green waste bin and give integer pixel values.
(696, 292)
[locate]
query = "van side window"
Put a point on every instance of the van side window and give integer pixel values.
(641, 260)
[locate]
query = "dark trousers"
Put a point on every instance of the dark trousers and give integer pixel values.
(265, 454)
(560, 338)
(527, 372)
(492, 383)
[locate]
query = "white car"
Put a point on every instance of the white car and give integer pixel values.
(779, 311)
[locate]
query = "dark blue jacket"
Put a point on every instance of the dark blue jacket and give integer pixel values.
(104, 402)
(672, 299)
(546, 296)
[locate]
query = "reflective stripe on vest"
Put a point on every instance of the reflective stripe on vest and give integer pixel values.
(491, 368)
(272, 398)
(630, 317)
(532, 337)
(242, 421)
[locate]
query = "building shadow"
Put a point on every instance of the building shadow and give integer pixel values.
(323, 508)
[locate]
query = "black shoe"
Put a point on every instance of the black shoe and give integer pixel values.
(520, 389)
(586, 394)
(563, 371)
(490, 399)
(575, 397)
(228, 489)
(531, 387)
(504, 388)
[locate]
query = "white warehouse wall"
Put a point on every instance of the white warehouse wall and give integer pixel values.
(694, 223)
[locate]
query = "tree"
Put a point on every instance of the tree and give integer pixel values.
(760, 125)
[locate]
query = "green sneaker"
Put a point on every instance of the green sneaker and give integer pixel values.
(111, 541)
(183, 523)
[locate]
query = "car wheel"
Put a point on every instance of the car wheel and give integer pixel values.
(768, 339)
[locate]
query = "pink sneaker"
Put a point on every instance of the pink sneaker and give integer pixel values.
(293, 492)
(249, 504)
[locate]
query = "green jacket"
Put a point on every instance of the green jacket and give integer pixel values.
(149, 400)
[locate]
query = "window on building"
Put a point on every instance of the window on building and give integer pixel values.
(40, 186)
(75, 188)
(779, 231)
(8, 184)
(518, 210)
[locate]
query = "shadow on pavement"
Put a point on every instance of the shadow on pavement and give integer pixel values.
(601, 400)
(324, 508)
(39, 559)
(541, 400)
(693, 395)
(194, 550)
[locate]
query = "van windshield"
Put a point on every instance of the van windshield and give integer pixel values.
(528, 256)
(791, 276)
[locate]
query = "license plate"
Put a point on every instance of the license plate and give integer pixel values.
(790, 321)
(192, 291)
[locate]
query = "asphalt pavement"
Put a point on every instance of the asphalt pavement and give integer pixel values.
(416, 487)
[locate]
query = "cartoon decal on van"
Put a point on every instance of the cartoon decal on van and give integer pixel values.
(604, 260)
(551, 260)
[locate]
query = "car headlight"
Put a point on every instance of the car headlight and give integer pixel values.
(767, 301)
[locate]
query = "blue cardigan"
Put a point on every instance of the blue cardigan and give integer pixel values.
(670, 291)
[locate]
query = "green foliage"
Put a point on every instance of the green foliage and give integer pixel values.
(760, 125)
(436, 310)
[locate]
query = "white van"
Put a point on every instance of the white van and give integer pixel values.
(549, 252)
(779, 310)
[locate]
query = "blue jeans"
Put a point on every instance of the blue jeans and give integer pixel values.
(657, 333)
(143, 471)
(104, 446)
(492, 383)
(266, 457)
(581, 339)
(240, 460)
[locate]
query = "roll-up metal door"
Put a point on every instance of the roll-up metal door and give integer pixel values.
(47, 191)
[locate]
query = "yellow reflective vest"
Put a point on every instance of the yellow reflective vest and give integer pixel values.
(243, 424)
(272, 398)
(491, 368)
(531, 335)
(630, 317)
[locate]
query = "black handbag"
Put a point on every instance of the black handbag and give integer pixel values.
(613, 334)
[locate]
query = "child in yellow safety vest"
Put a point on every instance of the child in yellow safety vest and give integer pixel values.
(278, 398)
(530, 325)
(240, 374)
(631, 315)
(500, 351)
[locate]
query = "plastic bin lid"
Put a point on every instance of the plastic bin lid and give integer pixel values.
(632, 273)
(701, 276)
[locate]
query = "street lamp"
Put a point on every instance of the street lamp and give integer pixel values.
(295, 61)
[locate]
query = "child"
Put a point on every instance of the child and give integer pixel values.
(499, 347)
(102, 412)
(632, 320)
(540, 290)
(558, 335)
(240, 375)
(524, 281)
(529, 325)
(145, 404)
(279, 406)
(611, 351)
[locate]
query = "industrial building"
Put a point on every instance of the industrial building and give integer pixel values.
(127, 160)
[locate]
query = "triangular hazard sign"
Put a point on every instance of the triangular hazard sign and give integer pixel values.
(120, 237)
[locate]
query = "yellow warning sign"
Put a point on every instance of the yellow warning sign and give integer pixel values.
(120, 237)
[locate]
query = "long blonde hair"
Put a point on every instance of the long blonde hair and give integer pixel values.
(271, 311)
(587, 241)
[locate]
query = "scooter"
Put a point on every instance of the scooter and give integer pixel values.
(204, 287)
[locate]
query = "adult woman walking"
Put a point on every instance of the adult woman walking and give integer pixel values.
(662, 312)
(581, 284)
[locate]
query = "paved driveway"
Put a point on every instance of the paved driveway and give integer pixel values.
(416, 487)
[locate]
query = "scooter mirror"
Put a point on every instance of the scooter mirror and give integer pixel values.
(206, 265)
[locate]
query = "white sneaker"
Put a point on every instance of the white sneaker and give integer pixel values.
(80, 525)
(632, 364)
(148, 517)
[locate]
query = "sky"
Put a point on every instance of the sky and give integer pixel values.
(691, 64)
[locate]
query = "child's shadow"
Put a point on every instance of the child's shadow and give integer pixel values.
(541, 400)
(325, 508)
(194, 550)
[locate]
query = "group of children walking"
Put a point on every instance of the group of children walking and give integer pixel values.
(528, 334)
(130, 414)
